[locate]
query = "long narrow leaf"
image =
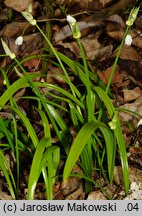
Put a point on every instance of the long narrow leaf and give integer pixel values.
(35, 168)
(50, 159)
(20, 83)
(78, 145)
(45, 123)
(110, 150)
(28, 125)
(8, 175)
(7, 134)
(118, 134)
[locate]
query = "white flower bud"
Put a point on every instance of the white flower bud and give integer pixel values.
(132, 17)
(19, 41)
(128, 40)
(4, 82)
(113, 123)
(30, 9)
(28, 16)
(7, 50)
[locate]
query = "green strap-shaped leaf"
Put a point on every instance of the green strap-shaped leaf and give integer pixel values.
(78, 145)
(36, 167)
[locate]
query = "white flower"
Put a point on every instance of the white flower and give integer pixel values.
(71, 20)
(128, 40)
(139, 123)
(19, 41)
(7, 50)
(74, 26)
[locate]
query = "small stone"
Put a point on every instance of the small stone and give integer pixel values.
(96, 195)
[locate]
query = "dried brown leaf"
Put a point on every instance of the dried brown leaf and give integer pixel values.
(93, 49)
(86, 4)
(32, 42)
(90, 44)
(13, 29)
(116, 19)
(33, 63)
(19, 5)
(104, 75)
(66, 31)
(100, 54)
(130, 95)
(137, 39)
(128, 53)
(136, 107)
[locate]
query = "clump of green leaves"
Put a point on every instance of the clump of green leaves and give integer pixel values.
(91, 112)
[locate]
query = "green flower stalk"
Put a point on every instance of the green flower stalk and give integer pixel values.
(90, 99)
(77, 35)
(125, 40)
(131, 19)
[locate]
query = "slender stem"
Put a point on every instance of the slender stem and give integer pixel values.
(56, 55)
(49, 13)
(84, 59)
(34, 87)
(116, 60)
(113, 69)
(90, 100)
